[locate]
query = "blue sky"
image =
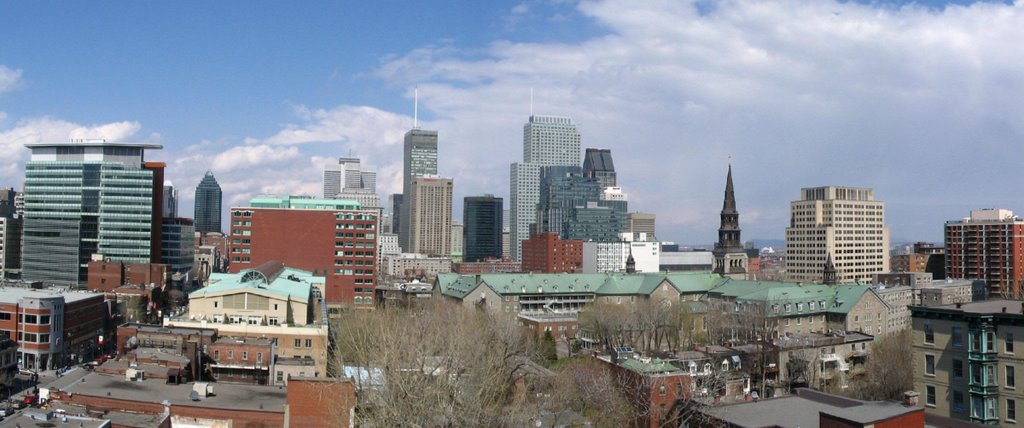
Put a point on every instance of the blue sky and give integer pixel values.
(917, 100)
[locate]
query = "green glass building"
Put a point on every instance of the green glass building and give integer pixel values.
(87, 197)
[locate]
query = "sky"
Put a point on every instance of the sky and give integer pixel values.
(921, 101)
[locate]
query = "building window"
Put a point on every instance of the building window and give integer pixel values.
(1009, 343)
(309, 343)
(259, 357)
(272, 321)
(957, 337)
(280, 376)
(958, 401)
(1011, 381)
(1011, 410)
(929, 334)
(929, 365)
(298, 343)
(661, 390)
(929, 398)
(958, 369)
(245, 355)
(231, 355)
(215, 303)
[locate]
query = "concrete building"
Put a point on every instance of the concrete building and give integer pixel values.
(642, 223)
(208, 205)
(547, 253)
(429, 216)
(600, 257)
(674, 260)
(335, 239)
(387, 246)
(482, 237)
(10, 247)
(988, 245)
(844, 222)
(412, 265)
(53, 327)
(420, 160)
(547, 140)
(965, 360)
(457, 244)
(68, 218)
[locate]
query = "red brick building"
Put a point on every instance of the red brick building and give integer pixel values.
(487, 266)
(331, 238)
(547, 253)
(561, 326)
(656, 389)
(988, 245)
(53, 328)
(240, 359)
(105, 276)
(320, 403)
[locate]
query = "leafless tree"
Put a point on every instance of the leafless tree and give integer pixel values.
(586, 386)
(889, 370)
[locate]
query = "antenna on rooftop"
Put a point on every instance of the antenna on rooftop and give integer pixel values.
(416, 107)
(531, 102)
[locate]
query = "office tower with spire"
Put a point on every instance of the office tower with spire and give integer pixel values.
(844, 223)
(419, 161)
(547, 140)
(730, 258)
(86, 198)
(208, 205)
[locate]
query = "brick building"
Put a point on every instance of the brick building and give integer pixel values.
(320, 403)
(547, 253)
(989, 246)
(244, 360)
(53, 328)
(657, 389)
(336, 239)
(105, 275)
(487, 266)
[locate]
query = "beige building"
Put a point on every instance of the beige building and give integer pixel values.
(966, 360)
(642, 223)
(844, 222)
(430, 216)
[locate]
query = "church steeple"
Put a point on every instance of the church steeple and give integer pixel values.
(630, 262)
(730, 257)
(829, 274)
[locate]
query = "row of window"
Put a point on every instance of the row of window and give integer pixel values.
(980, 341)
(981, 407)
(231, 355)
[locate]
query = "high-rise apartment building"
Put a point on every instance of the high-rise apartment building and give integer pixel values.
(547, 140)
(597, 164)
(420, 160)
(844, 222)
(208, 205)
(89, 197)
(430, 216)
(482, 220)
(988, 245)
(336, 239)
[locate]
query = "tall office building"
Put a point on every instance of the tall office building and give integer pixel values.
(730, 256)
(482, 218)
(642, 223)
(170, 200)
(419, 160)
(8, 206)
(547, 140)
(89, 197)
(844, 222)
(10, 246)
(349, 179)
(208, 203)
(597, 164)
(988, 245)
(395, 205)
(430, 216)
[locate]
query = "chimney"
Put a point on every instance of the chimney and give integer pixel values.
(910, 398)
(1004, 309)
(958, 305)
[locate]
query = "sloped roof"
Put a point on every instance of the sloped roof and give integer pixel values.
(459, 286)
(286, 283)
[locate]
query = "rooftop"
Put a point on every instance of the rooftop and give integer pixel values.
(128, 419)
(993, 306)
(93, 143)
(183, 331)
(226, 395)
(804, 409)
(269, 278)
(49, 418)
(242, 341)
(301, 203)
(11, 295)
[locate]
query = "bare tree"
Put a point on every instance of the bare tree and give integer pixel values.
(889, 370)
(586, 386)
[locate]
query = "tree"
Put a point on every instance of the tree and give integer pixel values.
(889, 370)
(587, 386)
(548, 347)
(438, 365)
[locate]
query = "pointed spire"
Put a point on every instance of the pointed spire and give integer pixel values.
(630, 261)
(729, 205)
(829, 275)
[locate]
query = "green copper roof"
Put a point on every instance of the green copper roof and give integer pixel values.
(656, 366)
(299, 203)
(285, 283)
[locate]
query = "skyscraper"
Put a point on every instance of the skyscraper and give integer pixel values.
(547, 140)
(349, 179)
(597, 163)
(430, 216)
(420, 160)
(482, 220)
(170, 203)
(89, 197)
(208, 203)
(730, 257)
(844, 222)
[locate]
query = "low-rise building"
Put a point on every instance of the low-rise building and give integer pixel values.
(548, 253)
(53, 327)
(243, 360)
(808, 408)
(412, 265)
(487, 266)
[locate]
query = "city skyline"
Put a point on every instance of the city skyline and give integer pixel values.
(915, 102)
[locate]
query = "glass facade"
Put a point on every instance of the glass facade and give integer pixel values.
(481, 233)
(208, 205)
(74, 209)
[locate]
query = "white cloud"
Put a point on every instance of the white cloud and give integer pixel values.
(9, 79)
(918, 103)
(32, 130)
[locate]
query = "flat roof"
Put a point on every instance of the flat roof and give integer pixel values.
(803, 409)
(226, 395)
(49, 418)
(148, 328)
(994, 306)
(130, 419)
(11, 295)
(94, 143)
(242, 341)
